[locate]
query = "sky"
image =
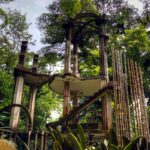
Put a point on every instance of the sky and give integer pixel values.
(34, 8)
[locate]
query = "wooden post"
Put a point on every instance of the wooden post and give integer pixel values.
(33, 90)
(66, 105)
(15, 113)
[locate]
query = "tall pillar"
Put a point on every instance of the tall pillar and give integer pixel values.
(106, 99)
(66, 105)
(75, 58)
(106, 111)
(33, 90)
(75, 73)
(67, 68)
(15, 113)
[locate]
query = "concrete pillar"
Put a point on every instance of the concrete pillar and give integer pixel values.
(67, 69)
(106, 111)
(33, 91)
(66, 104)
(32, 96)
(15, 113)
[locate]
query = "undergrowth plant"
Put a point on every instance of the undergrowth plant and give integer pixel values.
(75, 140)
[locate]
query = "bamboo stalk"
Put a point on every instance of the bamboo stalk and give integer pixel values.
(115, 88)
(127, 98)
(135, 88)
(132, 95)
(143, 104)
(139, 101)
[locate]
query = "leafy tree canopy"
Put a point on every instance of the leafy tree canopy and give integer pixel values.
(5, 1)
(70, 8)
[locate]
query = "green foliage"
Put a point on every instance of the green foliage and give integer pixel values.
(126, 141)
(72, 141)
(57, 146)
(69, 141)
(112, 137)
(89, 63)
(70, 7)
(75, 143)
(102, 146)
(114, 147)
(68, 130)
(3, 17)
(46, 101)
(60, 137)
(52, 135)
(17, 29)
(11, 35)
(88, 6)
(82, 136)
(127, 144)
(48, 60)
(67, 144)
(5, 87)
(137, 43)
(148, 111)
(132, 144)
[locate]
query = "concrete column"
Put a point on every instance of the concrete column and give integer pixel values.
(15, 113)
(33, 91)
(106, 99)
(67, 69)
(106, 111)
(66, 105)
(32, 96)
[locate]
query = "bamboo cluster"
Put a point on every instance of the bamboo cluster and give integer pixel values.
(141, 127)
(121, 100)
